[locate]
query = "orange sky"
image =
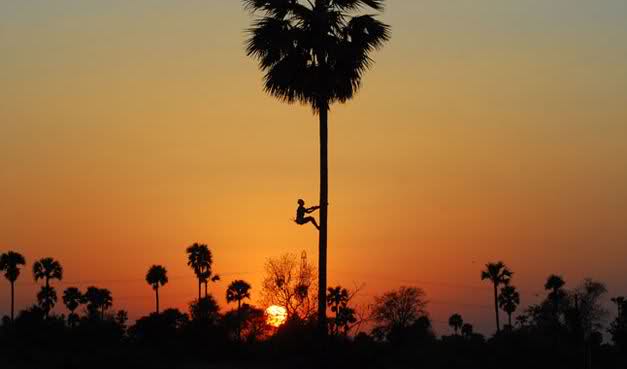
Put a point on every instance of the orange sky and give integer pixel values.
(487, 130)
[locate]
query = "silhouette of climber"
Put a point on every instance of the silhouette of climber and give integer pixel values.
(302, 210)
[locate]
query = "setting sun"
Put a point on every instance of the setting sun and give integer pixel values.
(277, 315)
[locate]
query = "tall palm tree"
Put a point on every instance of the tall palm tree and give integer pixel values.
(157, 276)
(498, 274)
(72, 299)
(509, 299)
(315, 52)
(10, 263)
(456, 322)
(237, 291)
(555, 284)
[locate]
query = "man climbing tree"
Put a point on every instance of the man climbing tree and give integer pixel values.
(302, 210)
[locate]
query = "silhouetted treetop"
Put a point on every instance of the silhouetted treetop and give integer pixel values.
(314, 52)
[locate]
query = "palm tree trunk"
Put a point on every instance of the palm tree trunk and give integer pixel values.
(157, 297)
(12, 300)
(496, 308)
(324, 199)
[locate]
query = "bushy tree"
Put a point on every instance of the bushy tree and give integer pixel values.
(290, 284)
(401, 315)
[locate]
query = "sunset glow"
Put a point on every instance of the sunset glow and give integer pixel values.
(277, 315)
(486, 130)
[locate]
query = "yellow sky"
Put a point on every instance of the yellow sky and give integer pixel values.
(487, 130)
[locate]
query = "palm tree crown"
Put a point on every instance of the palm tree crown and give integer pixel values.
(554, 283)
(314, 52)
(497, 273)
(47, 269)
(72, 298)
(10, 263)
(157, 276)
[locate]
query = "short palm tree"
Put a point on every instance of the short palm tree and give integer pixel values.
(237, 291)
(498, 274)
(456, 322)
(157, 276)
(555, 284)
(467, 330)
(10, 263)
(98, 300)
(47, 298)
(509, 299)
(315, 52)
(72, 299)
(47, 269)
(620, 302)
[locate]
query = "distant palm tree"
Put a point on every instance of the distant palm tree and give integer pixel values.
(237, 291)
(620, 302)
(157, 276)
(10, 264)
(555, 283)
(315, 52)
(509, 299)
(47, 269)
(47, 298)
(72, 299)
(456, 322)
(522, 320)
(200, 259)
(194, 261)
(498, 274)
(467, 330)
(98, 300)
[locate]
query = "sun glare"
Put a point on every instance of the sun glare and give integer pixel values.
(276, 315)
